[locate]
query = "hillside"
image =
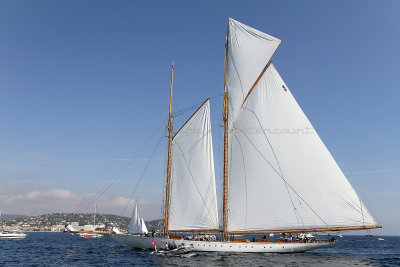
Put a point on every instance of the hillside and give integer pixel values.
(57, 221)
(11, 216)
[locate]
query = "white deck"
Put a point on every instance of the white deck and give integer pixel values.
(142, 242)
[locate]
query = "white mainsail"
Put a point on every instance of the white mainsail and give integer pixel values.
(281, 176)
(193, 204)
(135, 226)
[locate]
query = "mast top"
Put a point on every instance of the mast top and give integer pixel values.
(170, 91)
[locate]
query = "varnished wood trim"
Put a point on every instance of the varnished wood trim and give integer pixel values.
(194, 230)
(329, 229)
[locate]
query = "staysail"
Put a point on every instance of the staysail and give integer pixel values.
(193, 204)
(281, 175)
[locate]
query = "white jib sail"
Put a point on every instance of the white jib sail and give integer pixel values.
(193, 204)
(144, 228)
(249, 51)
(281, 175)
(135, 226)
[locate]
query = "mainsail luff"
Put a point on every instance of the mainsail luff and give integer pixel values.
(225, 170)
(193, 204)
(170, 135)
(237, 84)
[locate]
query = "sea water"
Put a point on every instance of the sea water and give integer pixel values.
(63, 249)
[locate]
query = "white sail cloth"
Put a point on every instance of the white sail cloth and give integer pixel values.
(136, 224)
(193, 204)
(144, 228)
(281, 175)
(249, 51)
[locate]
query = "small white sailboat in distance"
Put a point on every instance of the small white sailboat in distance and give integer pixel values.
(144, 228)
(137, 224)
(4, 234)
(278, 176)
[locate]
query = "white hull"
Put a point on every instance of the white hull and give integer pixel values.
(143, 242)
(12, 235)
(90, 235)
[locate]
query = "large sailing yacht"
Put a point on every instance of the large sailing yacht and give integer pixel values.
(278, 176)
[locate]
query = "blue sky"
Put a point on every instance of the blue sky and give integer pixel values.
(83, 82)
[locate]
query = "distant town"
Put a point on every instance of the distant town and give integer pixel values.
(57, 222)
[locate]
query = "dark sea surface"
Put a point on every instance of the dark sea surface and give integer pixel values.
(62, 249)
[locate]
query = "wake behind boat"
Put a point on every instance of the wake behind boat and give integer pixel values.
(278, 176)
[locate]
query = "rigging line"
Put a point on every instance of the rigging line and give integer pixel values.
(113, 178)
(245, 176)
(96, 183)
(229, 159)
(281, 176)
(184, 110)
(361, 205)
(191, 175)
(220, 157)
(87, 202)
(142, 174)
(125, 166)
(238, 75)
(163, 196)
(297, 214)
(241, 88)
(187, 121)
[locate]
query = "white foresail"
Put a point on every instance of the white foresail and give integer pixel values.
(193, 203)
(281, 175)
(249, 51)
(135, 226)
(144, 228)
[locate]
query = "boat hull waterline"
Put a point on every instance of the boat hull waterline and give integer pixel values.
(142, 242)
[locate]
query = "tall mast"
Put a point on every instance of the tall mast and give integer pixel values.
(225, 118)
(170, 135)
